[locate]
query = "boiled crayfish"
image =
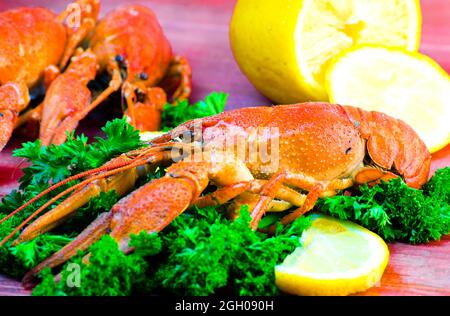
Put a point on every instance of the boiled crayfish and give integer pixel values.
(319, 149)
(34, 41)
(129, 44)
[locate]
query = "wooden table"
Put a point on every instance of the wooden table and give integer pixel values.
(198, 29)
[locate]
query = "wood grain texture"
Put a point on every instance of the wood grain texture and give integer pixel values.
(198, 29)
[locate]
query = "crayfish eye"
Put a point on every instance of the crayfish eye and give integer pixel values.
(119, 58)
(143, 76)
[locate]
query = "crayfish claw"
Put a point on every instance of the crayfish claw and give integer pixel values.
(7, 119)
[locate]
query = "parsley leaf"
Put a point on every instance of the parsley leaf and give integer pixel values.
(53, 163)
(32, 252)
(174, 115)
(120, 137)
(109, 273)
(397, 212)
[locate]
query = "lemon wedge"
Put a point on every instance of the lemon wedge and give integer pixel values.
(283, 46)
(337, 258)
(408, 86)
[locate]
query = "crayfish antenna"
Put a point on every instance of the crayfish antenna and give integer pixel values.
(53, 218)
(120, 180)
(113, 164)
(67, 208)
(119, 163)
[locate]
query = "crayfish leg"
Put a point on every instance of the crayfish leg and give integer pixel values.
(223, 195)
(50, 74)
(178, 79)
(32, 117)
(114, 84)
(80, 18)
(310, 201)
(284, 193)
(146, 116)
(271, 187)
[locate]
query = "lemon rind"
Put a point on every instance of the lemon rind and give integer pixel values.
(289, 280)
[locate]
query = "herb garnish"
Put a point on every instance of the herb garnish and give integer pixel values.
(397, 212)
(200, 253)
(172, 116)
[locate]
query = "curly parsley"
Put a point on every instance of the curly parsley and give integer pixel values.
(397, 212)
(200, 253)
(174, 115)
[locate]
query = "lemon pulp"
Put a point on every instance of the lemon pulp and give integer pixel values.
(408, 86)
(337, 258)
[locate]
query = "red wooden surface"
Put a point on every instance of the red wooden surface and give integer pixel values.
(198, 29)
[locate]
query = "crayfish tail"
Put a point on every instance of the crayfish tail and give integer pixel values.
(393, 145)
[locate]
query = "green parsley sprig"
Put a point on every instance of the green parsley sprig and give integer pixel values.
(397, 212)
(174, 115)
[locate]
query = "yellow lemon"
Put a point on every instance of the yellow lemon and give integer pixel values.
(283, 46)
(405, 85)
(337, 258)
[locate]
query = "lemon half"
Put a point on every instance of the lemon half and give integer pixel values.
(405, 85)
(337, 258)
(283, 46)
